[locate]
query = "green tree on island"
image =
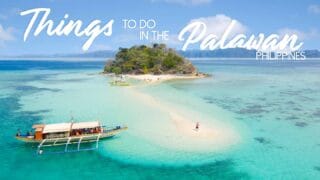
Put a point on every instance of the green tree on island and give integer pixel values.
(143, 59)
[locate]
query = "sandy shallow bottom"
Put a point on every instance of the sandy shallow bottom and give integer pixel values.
(161, 131)
(211, 136)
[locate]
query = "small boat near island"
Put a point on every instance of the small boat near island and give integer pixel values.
(64, 134)
(119, 81)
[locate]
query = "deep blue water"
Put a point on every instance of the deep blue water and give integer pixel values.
(53, 65)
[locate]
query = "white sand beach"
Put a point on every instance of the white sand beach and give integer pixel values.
(180, 133)
(150, 78)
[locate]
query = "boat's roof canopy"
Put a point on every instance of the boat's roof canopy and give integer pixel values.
(59, 127)
(66, 127)
(83, 125)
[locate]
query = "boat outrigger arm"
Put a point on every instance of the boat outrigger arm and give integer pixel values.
(70, 140)
(65, 134)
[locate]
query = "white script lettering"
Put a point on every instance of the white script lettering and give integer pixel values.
(93, 30)
(197, 32)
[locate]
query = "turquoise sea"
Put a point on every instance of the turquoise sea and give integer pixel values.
(272, 107)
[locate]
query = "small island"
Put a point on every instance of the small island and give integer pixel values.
(151, 63)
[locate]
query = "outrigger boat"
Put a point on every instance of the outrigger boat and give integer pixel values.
(119, 81)
(69, 133)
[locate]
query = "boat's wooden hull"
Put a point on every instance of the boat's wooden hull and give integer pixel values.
(74, 139)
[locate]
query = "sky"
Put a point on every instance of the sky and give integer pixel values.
(301, 17)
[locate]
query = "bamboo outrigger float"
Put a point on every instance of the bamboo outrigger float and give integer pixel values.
(69, 133)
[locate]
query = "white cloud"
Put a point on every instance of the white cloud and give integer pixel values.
(311, 34)
(315, 9)
(301, 35)
(6, 34)
(185, 2)
(218, 24)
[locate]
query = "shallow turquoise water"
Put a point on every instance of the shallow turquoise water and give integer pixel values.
(273, 106)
